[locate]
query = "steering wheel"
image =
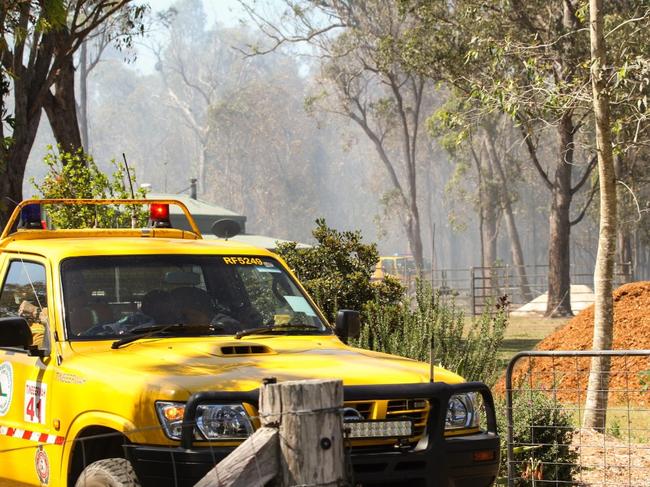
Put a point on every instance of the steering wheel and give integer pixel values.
(101, 329)
(119, 327)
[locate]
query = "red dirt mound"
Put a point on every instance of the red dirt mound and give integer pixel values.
(630, 376)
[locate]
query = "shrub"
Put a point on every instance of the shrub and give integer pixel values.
(77, 176)
(337, 271)
(542, 432)
(413, 329)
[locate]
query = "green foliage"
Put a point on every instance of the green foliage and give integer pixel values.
(644, 380)
(337, 271)
(77, 176)
(542, 432)
(615, 428)
(412, 329)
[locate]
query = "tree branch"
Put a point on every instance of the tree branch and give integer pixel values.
(585, 176)
(382, 155)
(582, 214)
(532, 151)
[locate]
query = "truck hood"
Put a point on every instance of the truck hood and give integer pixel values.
(189, 365)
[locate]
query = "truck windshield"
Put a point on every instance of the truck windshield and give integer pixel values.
(107, 297)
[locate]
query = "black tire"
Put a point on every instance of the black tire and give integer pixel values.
(110, 472)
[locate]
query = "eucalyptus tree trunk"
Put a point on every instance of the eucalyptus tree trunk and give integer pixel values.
(487, 216)
(596, 405)
(490, 205)
(559, 261)
(83, 95)
(624, 235)
(509, 217)
(61, 107)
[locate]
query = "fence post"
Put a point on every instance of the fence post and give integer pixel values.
(472, 291)
(307, 414)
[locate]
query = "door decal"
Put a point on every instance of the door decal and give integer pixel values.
(31, 435)
(35, 395)
(6, 387)
(42, 464)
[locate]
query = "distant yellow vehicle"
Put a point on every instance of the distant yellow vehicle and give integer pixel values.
(114, 342)
(401, 267)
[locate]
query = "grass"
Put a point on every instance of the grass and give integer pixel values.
(624, 425)
(524, 333)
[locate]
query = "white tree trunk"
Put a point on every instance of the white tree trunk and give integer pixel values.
(596, 406)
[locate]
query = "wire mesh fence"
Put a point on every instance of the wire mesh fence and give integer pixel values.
(547, 440)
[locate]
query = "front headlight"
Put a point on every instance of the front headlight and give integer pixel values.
(461, 412)
(217, 421)
(213, 421)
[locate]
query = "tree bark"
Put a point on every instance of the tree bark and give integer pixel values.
(12, 169)
(489, 205)
(515, 243)
(61, 108)
(28, 98)
(624, 237)
(483, 224)
(596, 404)
(415, 236)
(559, 274)
(83, 95)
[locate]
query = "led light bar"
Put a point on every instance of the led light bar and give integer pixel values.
(380, 429)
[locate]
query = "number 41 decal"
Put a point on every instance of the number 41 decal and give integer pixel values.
(35, 395)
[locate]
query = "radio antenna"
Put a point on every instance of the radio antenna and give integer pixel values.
(134, 220)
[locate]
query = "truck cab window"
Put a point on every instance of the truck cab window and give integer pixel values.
(24, 294)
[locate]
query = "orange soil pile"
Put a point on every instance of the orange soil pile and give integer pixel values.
(630, 376)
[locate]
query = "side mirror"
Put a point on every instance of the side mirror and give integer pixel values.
(348, 324)
(15, 332)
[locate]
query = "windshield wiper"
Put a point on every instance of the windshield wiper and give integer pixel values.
(144, 331)
(269, 329)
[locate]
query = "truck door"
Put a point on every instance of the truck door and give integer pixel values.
(28, 443)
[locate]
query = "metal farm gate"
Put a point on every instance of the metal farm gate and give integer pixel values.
(547, 445)
(475, 288)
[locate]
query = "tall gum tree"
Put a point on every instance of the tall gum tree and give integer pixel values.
(596, 403)
(199, 67)
(526, 60)
(488, 141)
(38, 41)
(362, 79)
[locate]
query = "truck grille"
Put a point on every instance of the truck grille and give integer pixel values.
(365, 408)
(414, 409)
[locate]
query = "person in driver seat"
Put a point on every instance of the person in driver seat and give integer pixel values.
(158, 305)
(194, 307)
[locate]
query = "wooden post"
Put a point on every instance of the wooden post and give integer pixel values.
(251, 464)
(311, 430)
(305, 417)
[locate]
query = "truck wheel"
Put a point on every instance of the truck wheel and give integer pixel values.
(110, 472)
